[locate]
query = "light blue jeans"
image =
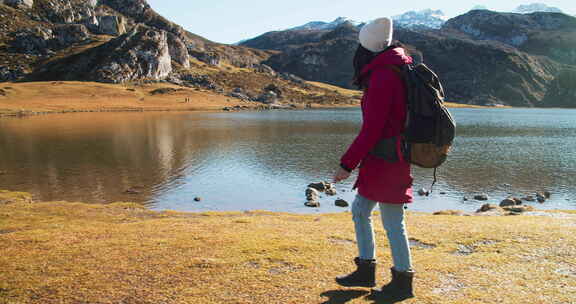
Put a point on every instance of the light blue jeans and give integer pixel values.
(393, 221)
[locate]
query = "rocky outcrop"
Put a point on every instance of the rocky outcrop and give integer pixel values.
(141, 54)
(32, 41)
(508, 28)
(43, 40)
(110, 25)
(178, 50)
(19, 3)
(67, 34)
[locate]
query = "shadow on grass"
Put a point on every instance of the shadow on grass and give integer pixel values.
(342, 296)
(376, 298)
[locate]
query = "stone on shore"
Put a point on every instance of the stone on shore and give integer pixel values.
(312, 194)
(511, 201)
(488, 207)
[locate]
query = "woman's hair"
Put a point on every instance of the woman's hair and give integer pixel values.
(363, 57)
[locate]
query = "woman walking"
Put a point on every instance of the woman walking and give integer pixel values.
(383, 183)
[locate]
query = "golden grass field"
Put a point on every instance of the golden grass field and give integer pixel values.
(27, 98)
(58, 97)
(60, 252)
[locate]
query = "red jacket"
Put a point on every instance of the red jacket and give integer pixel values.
(383, 116)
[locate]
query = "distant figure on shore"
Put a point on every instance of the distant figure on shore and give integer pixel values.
(386, 183)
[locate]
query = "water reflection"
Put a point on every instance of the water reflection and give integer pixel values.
(238, 161)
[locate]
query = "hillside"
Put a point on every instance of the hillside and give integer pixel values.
(127, 42)
(483, 57)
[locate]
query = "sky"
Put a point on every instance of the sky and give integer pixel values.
(229, 21)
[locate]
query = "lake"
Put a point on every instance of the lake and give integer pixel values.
(265, 160)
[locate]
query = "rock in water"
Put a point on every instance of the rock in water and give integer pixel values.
(312, 204)
(529, 198)
(321, 186)
(330, 189)
(481, 197)
(312, 194)
(423, 192)
(197, 199)
(547, 194)
(341, 203)
(541, 198)
(511, 201)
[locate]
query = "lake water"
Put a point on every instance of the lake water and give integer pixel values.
(265, 160)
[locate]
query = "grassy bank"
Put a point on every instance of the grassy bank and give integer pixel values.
(29, 98)
(59, 252)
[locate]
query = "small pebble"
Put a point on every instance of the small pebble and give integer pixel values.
(197, 199)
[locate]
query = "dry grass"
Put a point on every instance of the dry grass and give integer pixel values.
(91, 96)
(58, 252)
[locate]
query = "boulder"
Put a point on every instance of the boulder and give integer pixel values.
(265, 69)
(273, 88)
(268, 97)
(110, 25)
(541, 198)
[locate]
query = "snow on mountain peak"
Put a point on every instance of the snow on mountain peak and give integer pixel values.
(536, 7)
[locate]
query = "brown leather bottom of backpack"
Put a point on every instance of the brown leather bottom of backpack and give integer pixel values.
(428, 155)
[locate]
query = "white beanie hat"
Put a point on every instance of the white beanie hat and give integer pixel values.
(376, 36)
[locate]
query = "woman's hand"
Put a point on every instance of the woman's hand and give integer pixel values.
(341, 175)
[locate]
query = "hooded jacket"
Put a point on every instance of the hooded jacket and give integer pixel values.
(383, 116)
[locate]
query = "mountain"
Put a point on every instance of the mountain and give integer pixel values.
(483, 57)
(424, 18)
(123, 41)
(536, 7)
(320, 25)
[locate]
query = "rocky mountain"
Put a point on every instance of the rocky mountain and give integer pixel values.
(321, 25)
(536, 7)
(483, 57)
(119, 41)
(424, 18)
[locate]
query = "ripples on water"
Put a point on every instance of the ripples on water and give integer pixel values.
(264, 160)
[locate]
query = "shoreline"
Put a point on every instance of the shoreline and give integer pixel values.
(22, 99)
(61, 252)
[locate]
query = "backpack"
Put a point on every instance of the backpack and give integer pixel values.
(430, 128)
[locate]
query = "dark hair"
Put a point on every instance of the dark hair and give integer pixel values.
(363, 57)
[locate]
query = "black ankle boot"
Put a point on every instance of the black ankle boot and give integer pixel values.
(399, 287)
(364, 276)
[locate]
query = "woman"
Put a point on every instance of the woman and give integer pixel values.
(380, 182)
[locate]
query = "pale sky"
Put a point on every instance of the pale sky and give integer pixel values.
(229, 21)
